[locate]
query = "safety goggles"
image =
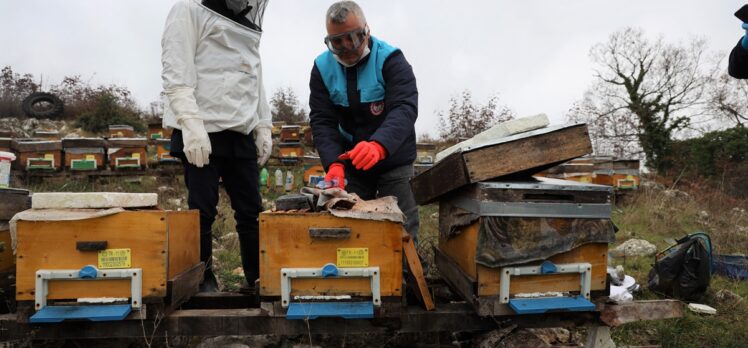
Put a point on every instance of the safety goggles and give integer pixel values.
(346, 42)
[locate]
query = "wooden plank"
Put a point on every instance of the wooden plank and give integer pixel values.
(461, 249)
(528, 153)
(445, 176)
(285, 242)
(51, 245)
(36, 145)
(183, 229)
(618, 314)
(457, 279)
(416, 271)
(594, 253)
(525, 154)
(181, 287)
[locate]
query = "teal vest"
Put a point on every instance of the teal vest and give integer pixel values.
(370, 80)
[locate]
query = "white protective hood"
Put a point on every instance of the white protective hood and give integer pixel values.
(212, 71)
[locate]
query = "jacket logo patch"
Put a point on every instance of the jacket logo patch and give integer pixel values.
(376, 108)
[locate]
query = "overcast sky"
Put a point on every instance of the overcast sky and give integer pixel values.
(533, 54)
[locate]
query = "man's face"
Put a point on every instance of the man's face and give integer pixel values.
(352, 24)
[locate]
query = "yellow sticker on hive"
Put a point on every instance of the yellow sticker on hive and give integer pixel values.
(135, 155)
(353, 257)
(49, 156)
(90, 158)
(114, 258)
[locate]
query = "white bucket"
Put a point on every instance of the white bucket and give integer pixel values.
(5, 159)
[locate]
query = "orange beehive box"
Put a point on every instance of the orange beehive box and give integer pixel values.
(489, 227)
(298, 240)
(164, 244)
(84, 153)
(290, 133)
(37, 154)
(127, 153)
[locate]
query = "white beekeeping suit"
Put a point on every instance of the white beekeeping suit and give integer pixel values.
(212, 76)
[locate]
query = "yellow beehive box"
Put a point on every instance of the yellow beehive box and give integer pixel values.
(164, 244)
(293, 240)
(494, 227)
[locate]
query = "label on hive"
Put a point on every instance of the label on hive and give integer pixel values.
(353, 257)
(49, 156)
(114, 258)
(90, 158)
(135, 155)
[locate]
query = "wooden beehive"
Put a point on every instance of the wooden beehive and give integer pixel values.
(292, 152)
(121, 131)
(157, 131)
(12, 201)
(37, 154)
(163, 149)
(292, 240)
(83, 154)
(127, 153)
(425, 153)
(515, 221)
(290, 133)
(165, 244)
(308, 136)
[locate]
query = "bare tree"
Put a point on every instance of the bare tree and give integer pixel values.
(286, 106)
(645, 90)
(465, 119)
(728, 99)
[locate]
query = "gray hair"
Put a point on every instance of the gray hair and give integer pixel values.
(338, 12)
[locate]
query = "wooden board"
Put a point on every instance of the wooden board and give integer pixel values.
(285, 242)
(184, 241)
(52, 245)
(416, 272)
(525, 154)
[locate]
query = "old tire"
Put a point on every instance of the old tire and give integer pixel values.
(42, 105)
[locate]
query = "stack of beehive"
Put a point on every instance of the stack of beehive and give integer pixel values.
(495, 217)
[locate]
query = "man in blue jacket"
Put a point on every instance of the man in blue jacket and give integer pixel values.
(364, 104)
(738, 65)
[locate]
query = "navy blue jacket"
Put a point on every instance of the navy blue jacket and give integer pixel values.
(738, 66)
(391, 123)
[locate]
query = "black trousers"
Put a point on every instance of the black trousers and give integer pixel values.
(241, 181)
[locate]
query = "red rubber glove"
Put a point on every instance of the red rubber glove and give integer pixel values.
(337, 172)
(365, 154)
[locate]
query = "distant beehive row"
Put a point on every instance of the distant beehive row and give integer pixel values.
(122, 150)
(601, 170)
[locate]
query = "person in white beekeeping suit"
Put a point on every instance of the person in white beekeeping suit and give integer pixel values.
(215, 102)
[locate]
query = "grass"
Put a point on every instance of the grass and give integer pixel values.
(658, 214)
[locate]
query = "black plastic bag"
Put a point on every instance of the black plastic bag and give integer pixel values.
(683, 271)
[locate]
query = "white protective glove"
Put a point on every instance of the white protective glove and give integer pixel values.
(264, 142)
(196, 141)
